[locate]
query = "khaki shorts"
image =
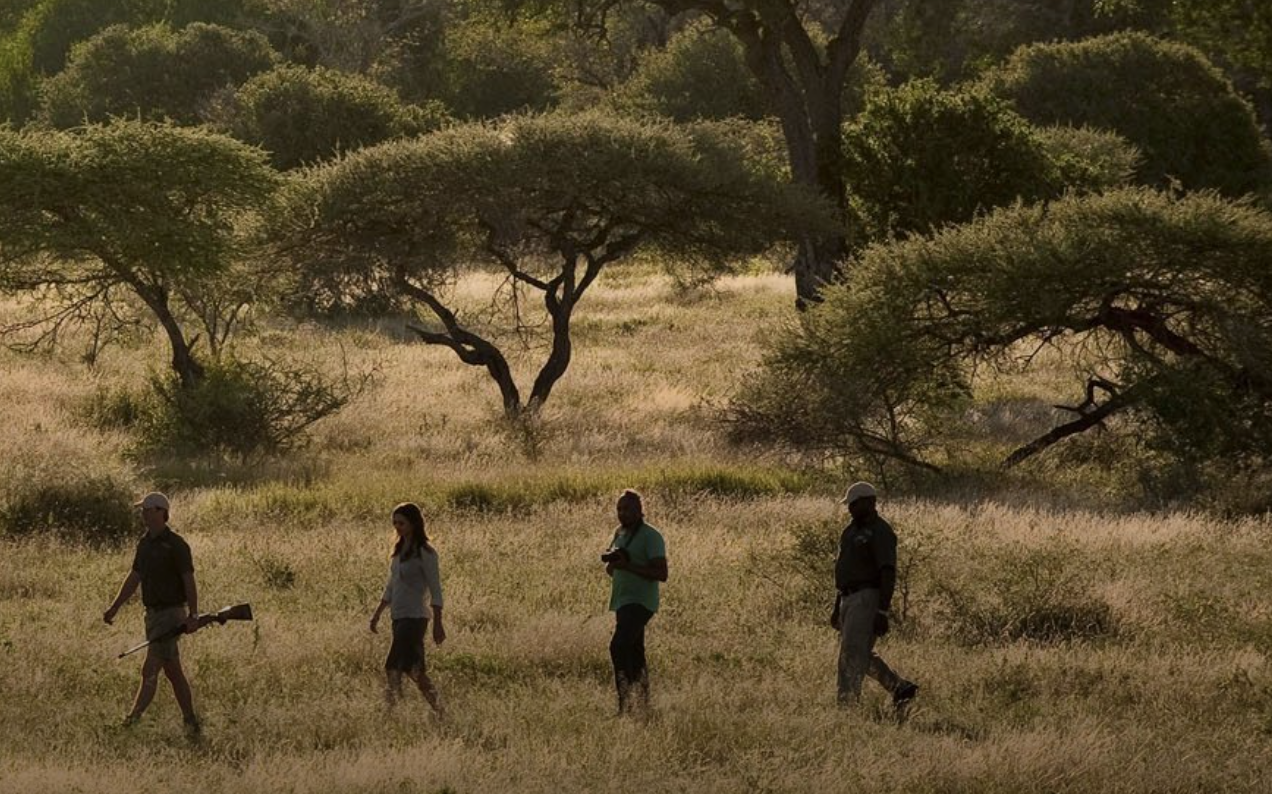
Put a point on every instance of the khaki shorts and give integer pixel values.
(160, 621)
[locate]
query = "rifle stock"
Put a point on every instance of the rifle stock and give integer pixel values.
(220, 617)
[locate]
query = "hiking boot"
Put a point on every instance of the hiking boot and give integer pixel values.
(904, 695)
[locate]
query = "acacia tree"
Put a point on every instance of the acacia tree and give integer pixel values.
(1165, 301)
(549, 202)
(122, 215)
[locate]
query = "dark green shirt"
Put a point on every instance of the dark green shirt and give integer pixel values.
(159, 562)
(864, 549)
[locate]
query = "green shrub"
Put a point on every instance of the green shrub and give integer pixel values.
(1165, 98)
(493, 69)
(153, 73)
(41, 40)
(276, 572)
(700, 74)
(1169, 298)
(1088, 158)
(918, 158)
(92, 509)
(805, 571)
(304, 116)
(240, 408)
(118, 408)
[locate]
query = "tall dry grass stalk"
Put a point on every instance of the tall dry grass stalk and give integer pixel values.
(1172, 694)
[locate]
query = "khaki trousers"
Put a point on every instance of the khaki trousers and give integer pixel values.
(857, 658)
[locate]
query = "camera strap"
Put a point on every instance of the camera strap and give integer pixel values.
(630, 536)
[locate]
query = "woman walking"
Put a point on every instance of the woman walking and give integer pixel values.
(414, 589)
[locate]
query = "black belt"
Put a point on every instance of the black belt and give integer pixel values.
(856, 588)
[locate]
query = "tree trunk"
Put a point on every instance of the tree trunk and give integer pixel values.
(562, 295)
(562, 348)
(814, 142)
(471, 348)
(804, 84)
(188, 369)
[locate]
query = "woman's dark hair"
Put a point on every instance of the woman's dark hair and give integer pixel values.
(419, 538)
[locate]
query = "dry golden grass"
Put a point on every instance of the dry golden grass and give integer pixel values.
(1175, 696)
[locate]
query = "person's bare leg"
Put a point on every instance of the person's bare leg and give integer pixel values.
(392, 686)
(146, 689)
(180, 687)
(428, 690)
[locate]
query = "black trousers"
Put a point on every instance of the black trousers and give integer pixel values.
(627, 650)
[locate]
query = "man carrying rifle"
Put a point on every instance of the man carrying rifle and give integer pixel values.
(164, 568)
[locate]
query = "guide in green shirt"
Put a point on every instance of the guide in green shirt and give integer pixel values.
(643, 545)
(636, 561)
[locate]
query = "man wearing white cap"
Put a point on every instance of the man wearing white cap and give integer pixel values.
(164, 569)
(865, 576)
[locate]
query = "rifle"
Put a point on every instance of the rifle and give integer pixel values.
(238, 612)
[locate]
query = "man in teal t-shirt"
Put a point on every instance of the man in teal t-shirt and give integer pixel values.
(636, 562)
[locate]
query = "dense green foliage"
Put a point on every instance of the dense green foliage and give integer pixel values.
(492, 69)
(1090, 158)
(40, 43)
(1235, 34)
(1168, 298)
(702, 74)
(1167, 99)
(153, 73)
(699, 74)
(124, 214)
(919, 158)
(304, 115)
(954, 40)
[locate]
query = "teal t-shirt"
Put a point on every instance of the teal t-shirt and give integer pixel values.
(643, 545)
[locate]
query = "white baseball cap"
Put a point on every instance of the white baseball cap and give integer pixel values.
(858, 490)
(153, 499)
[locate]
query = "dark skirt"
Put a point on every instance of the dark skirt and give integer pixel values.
(407, 651)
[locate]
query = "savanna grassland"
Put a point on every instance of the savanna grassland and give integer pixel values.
(1063, 641)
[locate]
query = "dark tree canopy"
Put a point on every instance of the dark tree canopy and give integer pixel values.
(955, 40)
(919, 158)
(702, 74)
(1169, 300)
(549, 201)
(304, 115)
(42, 39)
(1166, 98)
(801, 53)
(152, 72)
(492, 69)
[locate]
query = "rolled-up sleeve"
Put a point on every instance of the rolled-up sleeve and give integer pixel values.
(388, 588)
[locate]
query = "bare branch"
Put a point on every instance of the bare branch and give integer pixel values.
(1088, 420)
